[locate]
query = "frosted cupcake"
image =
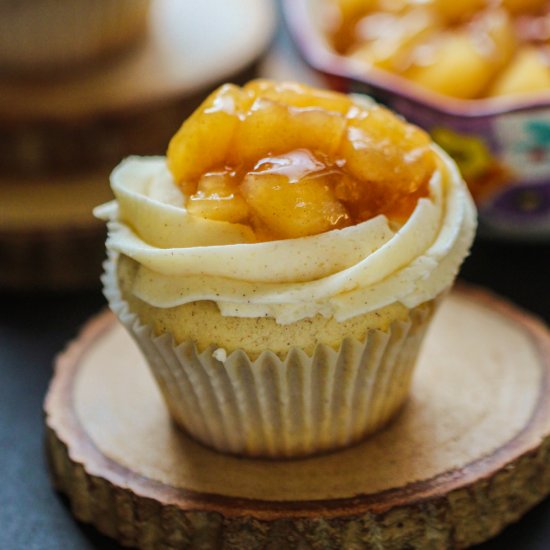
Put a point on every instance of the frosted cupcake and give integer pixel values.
(280, 267)
(41, 35)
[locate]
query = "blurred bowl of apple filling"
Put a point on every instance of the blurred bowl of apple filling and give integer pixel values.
(474, 73)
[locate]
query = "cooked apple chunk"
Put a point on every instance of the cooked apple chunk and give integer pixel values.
(293, 196)
(272, 127)
(390, 155)
(388, 38)
(300, 96)
(528, 72)
(203, 141)
(291, 161)
(218, 198)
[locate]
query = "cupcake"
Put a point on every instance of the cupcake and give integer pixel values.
(280, 267)
(42, 35)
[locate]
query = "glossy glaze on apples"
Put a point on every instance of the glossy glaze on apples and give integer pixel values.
(292, 161)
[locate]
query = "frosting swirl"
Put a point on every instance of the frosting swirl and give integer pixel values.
(340, 273)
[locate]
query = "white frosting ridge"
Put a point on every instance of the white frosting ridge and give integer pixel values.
(340, 273)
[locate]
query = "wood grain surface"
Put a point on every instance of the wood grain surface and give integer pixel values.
(468, 455)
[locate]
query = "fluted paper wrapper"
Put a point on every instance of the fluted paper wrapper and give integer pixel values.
(57, 33)
(296, 406)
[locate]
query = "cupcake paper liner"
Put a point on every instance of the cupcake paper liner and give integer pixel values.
(280, 407)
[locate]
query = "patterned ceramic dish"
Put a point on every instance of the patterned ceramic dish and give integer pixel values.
(502, 145)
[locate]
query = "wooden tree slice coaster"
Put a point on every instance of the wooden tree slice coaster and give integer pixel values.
(469, 454)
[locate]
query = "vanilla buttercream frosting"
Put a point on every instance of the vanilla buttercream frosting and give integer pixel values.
(340, 273)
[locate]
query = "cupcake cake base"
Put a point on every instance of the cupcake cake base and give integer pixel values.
(468, 455)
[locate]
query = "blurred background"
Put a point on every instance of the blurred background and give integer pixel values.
(85, 83)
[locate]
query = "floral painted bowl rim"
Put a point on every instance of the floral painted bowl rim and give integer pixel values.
(320, 56)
